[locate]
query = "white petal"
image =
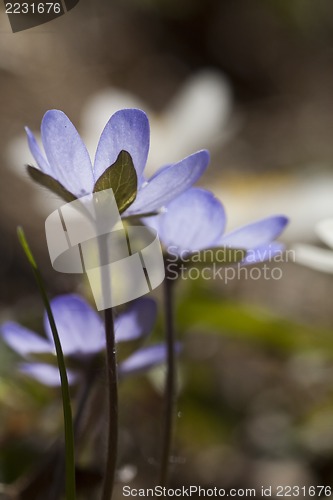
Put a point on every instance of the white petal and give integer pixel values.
(314, 257)
(324, 230)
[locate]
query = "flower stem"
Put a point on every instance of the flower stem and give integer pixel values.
(66, 400)
(112, 441)
(169, 385)
(112, 380)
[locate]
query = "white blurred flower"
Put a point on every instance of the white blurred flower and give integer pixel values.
(317, 258)
(304, 198)
(196, 118)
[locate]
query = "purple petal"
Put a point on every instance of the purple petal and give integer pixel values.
(24, 341)
(263, 253)
(46, 374)
(193, 221)
(36, 152)
(137, 321)
(67, 155)
(79, 326)
(145, 358)
(170, 182)
(255, 234)
(127, 129)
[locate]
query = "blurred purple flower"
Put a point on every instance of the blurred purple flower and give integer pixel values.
(67, 160)
(196, 221)
(81, 333)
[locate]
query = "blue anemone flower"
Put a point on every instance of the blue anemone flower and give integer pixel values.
(67, 160)
(82, 336)
(196, 221)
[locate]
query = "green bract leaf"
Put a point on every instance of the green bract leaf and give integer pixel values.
(50, 183)
(122, 178)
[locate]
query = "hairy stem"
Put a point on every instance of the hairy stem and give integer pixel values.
(112, 440)
(112, 379)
